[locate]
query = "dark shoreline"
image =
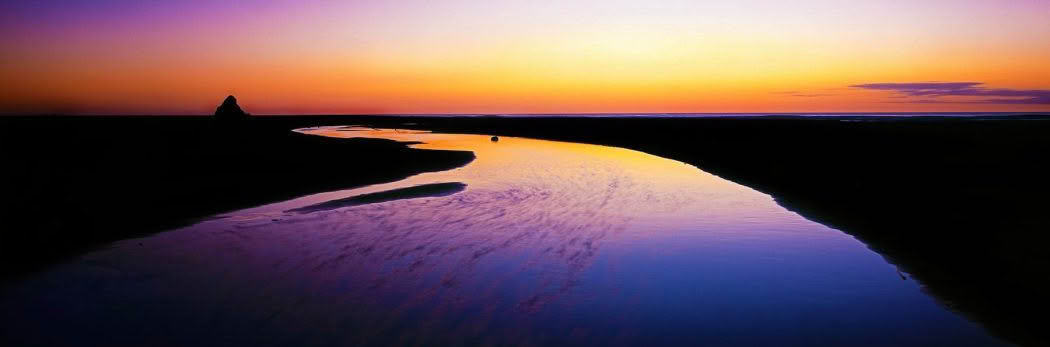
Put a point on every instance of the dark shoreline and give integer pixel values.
(955, 202)
(74, 183)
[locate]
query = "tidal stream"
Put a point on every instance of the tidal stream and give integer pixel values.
(533, 243)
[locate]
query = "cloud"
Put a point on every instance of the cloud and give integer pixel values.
(929, 92)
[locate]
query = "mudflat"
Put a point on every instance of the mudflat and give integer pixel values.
(72, 183)
(959, 203)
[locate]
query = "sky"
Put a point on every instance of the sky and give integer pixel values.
(538, 56)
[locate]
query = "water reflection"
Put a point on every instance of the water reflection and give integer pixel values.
(540, 243)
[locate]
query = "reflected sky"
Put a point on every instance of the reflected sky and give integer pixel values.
(545, 243)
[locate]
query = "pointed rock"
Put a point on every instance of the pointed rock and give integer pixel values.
(229, 109)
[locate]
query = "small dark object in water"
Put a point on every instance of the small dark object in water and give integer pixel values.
(495, 139)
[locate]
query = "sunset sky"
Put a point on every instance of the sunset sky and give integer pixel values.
(489, 56)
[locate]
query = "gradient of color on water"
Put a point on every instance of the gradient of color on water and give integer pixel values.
(535, 242)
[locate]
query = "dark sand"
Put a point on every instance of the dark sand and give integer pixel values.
(423, 190)
(957, 203)
(73, 183)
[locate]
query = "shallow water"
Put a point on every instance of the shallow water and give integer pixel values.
(535, 242)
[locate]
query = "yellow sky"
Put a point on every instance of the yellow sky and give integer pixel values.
(283, 57)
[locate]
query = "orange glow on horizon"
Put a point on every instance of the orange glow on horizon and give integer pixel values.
(515, 57)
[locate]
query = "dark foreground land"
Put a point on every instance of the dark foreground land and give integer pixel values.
(957, 203)
(73, 183)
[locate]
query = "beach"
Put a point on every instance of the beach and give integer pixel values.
(956, 202)
(534, 242)
(953, 203)
(72, 184)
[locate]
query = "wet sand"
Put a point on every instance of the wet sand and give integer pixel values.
(72, 184)
(420, 191)
(955, 202)
(540, 243)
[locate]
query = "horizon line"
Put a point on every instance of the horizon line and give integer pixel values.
(465, 114)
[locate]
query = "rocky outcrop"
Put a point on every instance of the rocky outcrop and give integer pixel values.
(230, 110)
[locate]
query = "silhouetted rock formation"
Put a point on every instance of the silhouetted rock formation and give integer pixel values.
(229, 109)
